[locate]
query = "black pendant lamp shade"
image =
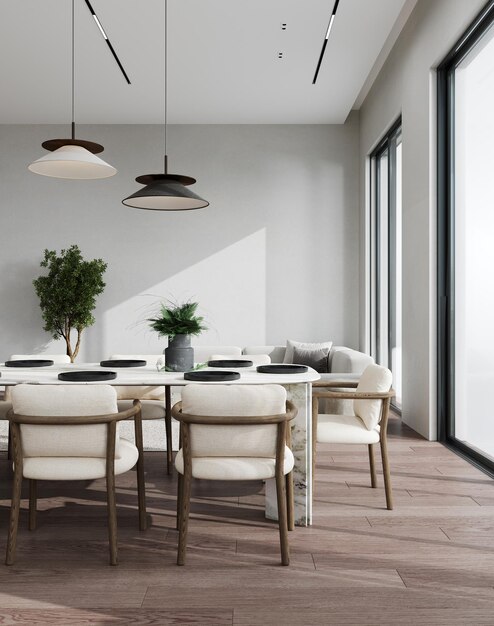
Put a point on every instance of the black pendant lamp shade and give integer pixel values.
(165, 192)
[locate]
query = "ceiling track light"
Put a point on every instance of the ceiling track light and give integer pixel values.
(165, 192)
(325, 42)
(106, 38)
(72, 158)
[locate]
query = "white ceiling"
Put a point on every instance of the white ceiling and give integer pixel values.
(222, 60)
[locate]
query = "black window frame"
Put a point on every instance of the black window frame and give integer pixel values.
(446, 237)
(387, 144)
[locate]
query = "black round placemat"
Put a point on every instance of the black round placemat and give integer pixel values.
(286, 368)
(29, 363)
(86, 376)
(230, 363)
(211, 376)
(123, 363)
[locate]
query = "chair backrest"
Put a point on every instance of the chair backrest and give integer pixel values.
(143, 392)
(377, 379)
(257, 359)
(247, 440)
(64, 400)
(56, 358)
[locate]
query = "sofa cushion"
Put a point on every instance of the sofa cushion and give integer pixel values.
(348, 361)
(275, 353)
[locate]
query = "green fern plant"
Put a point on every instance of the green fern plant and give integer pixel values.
(177, 319)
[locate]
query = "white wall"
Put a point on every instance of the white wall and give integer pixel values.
(406, 85)
(274, 256)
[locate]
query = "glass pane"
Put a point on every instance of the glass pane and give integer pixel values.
(474, 247)
(395, 274)
(382, 269)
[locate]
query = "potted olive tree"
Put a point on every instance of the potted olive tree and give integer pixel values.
(178, 322)
(67, 294)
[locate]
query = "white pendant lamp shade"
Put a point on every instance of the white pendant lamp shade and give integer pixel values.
(70, 157)
(73, 162)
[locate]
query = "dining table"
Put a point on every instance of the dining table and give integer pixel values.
(297, 385)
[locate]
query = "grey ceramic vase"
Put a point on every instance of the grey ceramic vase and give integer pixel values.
(179, 356)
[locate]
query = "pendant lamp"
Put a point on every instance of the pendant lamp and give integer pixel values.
(72, 158)
(165, 192)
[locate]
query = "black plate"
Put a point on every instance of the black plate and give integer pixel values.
(282, 369)
(230, 363)
(29, 363)
(123, 363)
(86, 377)
(211, 376)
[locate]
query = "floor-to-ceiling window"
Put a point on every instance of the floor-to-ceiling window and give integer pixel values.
(385, 251)
(466, 242)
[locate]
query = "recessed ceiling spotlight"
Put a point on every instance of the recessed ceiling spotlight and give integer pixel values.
(325, 42)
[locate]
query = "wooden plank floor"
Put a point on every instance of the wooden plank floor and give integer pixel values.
(430, 561)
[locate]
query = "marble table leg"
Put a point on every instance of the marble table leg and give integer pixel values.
(300, 394)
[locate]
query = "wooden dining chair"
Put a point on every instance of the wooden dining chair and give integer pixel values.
(371, 400)
(6, 403)
(70, 432)
(235, 432)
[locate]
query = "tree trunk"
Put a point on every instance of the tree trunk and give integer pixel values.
(77, 345)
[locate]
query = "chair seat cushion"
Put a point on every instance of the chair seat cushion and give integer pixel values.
(234, 468)
(150, 409)
(79, 468)
(344, 429)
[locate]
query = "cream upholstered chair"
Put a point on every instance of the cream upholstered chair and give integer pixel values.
(235, 432)
(70, 432)
(155, 401)
(368, 425)
(6, 404)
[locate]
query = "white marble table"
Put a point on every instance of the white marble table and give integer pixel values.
(298, 388)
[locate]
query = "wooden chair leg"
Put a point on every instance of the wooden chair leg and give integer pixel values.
(14, 516)
(168, 430)
(112, 517)
(290, 513)
(9, 444)
(184, 519)
(180, 495)
(372, 466)
(33, 488)
(282, 518)
(141, 484)
(315, 412)
(386, 473)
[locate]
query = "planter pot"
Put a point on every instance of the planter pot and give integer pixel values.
(179, 356)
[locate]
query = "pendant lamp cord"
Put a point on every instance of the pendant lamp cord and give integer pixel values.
(166, 81)
(73, 72)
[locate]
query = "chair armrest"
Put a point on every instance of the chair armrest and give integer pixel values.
(234, 420)
(64, 420)
(346, 395)
(335, 383)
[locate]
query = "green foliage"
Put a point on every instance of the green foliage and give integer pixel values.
(177, 319)
(67, 295)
